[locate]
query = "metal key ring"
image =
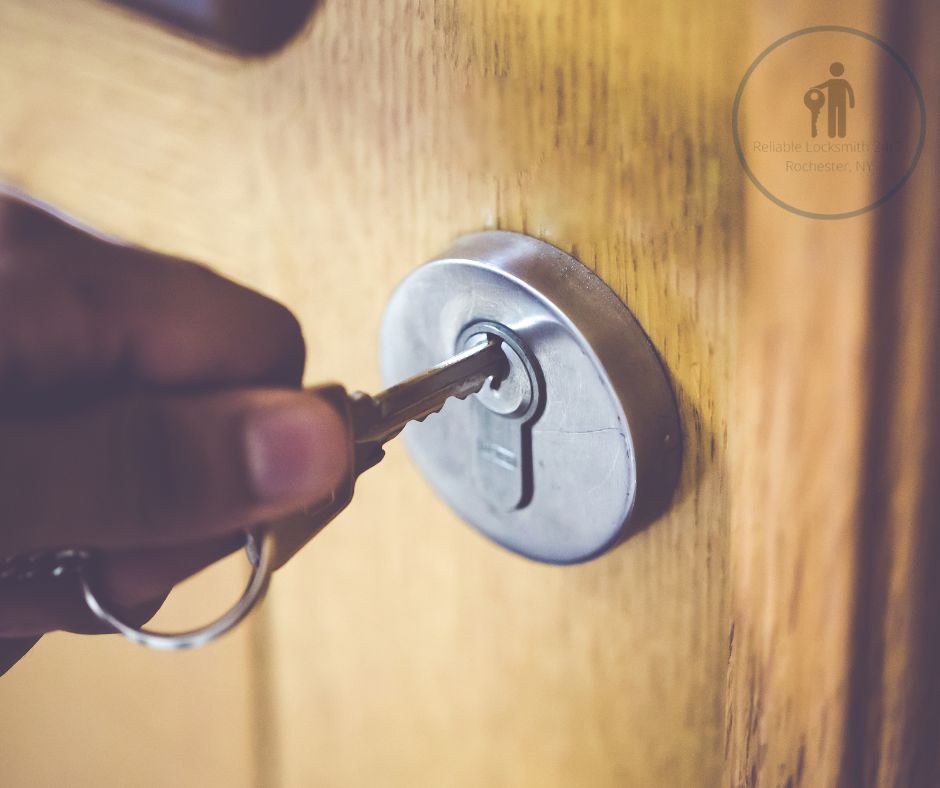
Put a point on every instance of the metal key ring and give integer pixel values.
(262, 560)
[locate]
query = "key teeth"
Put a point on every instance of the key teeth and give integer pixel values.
(439, 409)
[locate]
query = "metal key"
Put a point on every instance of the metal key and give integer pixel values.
(377, 419)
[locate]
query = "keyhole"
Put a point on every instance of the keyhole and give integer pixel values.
(503, 417)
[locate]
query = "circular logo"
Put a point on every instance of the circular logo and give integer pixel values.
(829, 122)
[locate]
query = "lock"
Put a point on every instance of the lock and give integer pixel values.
(578, 445)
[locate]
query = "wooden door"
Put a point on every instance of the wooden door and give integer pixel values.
(773, 629)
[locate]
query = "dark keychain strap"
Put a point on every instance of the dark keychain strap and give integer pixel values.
(84, 564)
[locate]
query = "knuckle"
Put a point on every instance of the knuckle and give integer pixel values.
(159, 475)
(288, 339)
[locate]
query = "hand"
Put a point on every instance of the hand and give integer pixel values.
(148, 409)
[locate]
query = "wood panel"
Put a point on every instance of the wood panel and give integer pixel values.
(795, 468)
(894, 690)
(833, 516)
(409, 651)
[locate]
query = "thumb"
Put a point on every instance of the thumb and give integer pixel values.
(167, 469)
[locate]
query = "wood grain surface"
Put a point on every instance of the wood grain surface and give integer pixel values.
(408, 650)
(400, 648)
(833, 517)
(797, 454)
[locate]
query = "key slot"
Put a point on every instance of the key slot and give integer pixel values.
(504, 411)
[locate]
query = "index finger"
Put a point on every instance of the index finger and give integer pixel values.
(76, 307)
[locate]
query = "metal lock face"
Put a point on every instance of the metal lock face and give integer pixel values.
(578, 445)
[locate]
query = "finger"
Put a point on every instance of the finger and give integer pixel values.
(165, 470)
(131, 583)
(13, 650)
(76, 307)
(38, 607)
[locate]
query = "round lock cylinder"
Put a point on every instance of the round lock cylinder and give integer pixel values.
(578, 444)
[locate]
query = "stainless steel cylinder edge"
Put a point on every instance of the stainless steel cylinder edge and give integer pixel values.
(605, 446)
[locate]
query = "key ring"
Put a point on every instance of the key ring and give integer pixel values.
(261, 557)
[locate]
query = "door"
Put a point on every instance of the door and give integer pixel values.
(774, 627)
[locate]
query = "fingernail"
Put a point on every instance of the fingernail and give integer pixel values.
(296, 449)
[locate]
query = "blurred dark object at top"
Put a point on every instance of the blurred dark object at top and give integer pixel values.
(248, 27)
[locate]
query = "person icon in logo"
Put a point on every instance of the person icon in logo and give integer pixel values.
(839, 97)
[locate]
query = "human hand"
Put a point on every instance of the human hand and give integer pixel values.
(149, 409)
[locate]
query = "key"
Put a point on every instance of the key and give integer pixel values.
(814, 100)
(377, 419)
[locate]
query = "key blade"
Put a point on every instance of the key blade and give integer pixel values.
(379, 418)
